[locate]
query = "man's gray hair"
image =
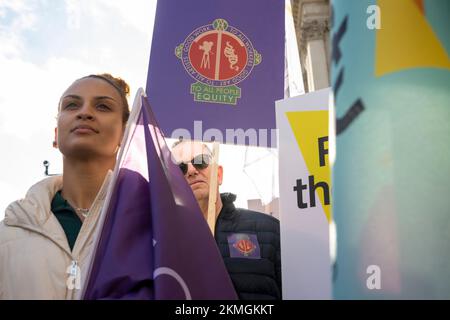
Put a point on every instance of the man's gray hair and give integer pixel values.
(181, 140)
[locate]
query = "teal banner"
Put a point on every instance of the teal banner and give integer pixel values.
(391, 177)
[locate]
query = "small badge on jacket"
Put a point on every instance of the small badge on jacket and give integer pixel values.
(243, 245)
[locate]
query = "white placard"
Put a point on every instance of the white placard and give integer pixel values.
(305, 211)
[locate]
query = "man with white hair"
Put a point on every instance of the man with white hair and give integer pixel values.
(249, 241)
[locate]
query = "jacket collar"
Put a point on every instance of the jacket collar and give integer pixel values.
(34, 211)
(228, 209)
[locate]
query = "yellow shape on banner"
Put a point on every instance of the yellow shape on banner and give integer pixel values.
(308, 127)
(406, 40)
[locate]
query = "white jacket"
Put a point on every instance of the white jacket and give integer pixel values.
(35, 258)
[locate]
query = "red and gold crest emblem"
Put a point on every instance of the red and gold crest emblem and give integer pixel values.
(218, 56)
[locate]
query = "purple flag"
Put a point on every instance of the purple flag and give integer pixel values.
(154, 243)
(219, 63)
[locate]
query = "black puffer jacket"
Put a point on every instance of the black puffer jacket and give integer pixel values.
(249, 242)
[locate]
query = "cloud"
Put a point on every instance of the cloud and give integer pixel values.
(73, 11)
(138, 14)
(11, 45)
(17, 17)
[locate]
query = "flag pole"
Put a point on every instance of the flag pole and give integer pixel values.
(211, 218)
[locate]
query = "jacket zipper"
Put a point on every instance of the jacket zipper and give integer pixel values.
(74, 278)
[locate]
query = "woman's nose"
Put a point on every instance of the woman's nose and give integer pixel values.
(85, 112)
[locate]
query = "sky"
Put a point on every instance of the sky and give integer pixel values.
(44, 46)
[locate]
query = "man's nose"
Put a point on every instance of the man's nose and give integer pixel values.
(191, 170)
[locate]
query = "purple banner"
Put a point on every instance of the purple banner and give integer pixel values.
(217, 65)
(155, 243)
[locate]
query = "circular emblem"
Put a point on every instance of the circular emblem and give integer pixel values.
(245, 246)
(218, 54)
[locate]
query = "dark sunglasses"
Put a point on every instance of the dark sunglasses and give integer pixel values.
(199, 162)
